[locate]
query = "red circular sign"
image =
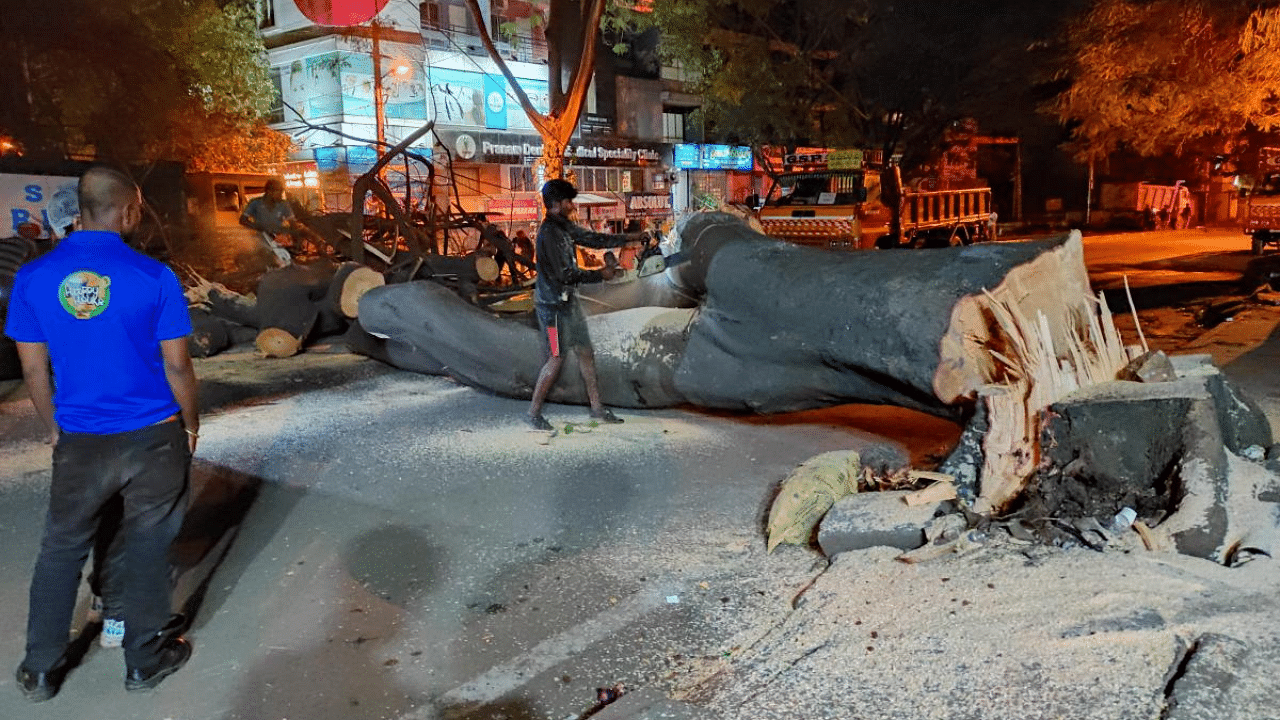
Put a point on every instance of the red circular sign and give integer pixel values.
(340, 12)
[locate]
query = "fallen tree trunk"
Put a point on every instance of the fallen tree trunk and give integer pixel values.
(782, 328)
(429, 329)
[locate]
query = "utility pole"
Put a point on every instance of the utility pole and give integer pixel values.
(379, 102)
(1088, 197)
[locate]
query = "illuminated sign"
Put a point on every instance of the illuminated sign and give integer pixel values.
(687, 157)
(304, 179)
(712, 157)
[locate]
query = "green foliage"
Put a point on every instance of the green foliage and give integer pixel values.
(131, 79)
(1170, 75)
(769, 71)
(237, 148)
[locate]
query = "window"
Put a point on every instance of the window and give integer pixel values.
(226, 197)
(673, 127)
(430, 13)
(266, 14)
(277, 97)
(451, 16)
(521, 179)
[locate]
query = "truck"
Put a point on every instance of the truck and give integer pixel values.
(1262, 206)
(1139, 205)
(837, 200)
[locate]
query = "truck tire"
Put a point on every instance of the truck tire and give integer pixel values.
(1260, 239)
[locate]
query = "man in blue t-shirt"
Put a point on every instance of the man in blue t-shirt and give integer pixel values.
(122, 412)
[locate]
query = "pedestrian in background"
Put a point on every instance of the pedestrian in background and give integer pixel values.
(123, 423)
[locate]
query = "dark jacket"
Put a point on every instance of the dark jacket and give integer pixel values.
(558, 270)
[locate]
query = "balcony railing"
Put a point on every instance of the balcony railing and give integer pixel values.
(522, 47)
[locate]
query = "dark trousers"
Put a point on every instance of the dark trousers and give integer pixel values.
(148, 470)
(108, 560)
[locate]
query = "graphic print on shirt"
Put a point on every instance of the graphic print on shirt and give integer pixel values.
(85, 294)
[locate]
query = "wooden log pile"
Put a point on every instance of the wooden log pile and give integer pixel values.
(292, 306)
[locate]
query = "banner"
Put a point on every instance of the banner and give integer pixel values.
(495, 102)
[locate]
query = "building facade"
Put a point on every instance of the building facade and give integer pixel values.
(483, 152)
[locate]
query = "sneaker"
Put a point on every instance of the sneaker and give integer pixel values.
(112, 633)
(537, 422)
(175, 654)
(606, 416)
(40, 686)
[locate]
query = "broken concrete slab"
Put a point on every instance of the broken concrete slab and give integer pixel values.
(1202, 678)
(1242, 420)
(1153, 366)
(865, 520)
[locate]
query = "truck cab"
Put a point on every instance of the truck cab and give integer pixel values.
(823, 200)
(834, 201)
(1262, 211)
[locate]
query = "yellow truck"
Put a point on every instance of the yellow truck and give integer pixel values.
(835, 200)
(1262, 211)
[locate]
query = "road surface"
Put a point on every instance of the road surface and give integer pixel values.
(368, 543)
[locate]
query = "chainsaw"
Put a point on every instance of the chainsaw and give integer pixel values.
(651, 261)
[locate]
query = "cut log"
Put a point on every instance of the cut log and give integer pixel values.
(277, 343)
(209, 334)
(350, 282)
(430, 329)
(233, 306)
(289, 300)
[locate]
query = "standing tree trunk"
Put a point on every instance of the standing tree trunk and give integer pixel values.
(557, 125)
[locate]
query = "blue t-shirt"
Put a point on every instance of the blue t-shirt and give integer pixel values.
(102, 308)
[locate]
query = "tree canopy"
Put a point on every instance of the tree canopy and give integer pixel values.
(1160, 76)
(892, 74)
(769, 71)
(131, 80)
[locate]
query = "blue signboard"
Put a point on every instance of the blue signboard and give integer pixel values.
(687, 157)
(715, 157)
(691, 156)
(495, 102)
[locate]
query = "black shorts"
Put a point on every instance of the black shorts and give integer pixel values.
(563, 326)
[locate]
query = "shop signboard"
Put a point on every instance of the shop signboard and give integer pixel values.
(648, 205)
(513, 209)
(479, 100)
(47, 200)
(691, 156)
(521, 149)
(687, 157)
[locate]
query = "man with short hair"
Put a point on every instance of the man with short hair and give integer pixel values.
(123, 422)
(555, 300)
